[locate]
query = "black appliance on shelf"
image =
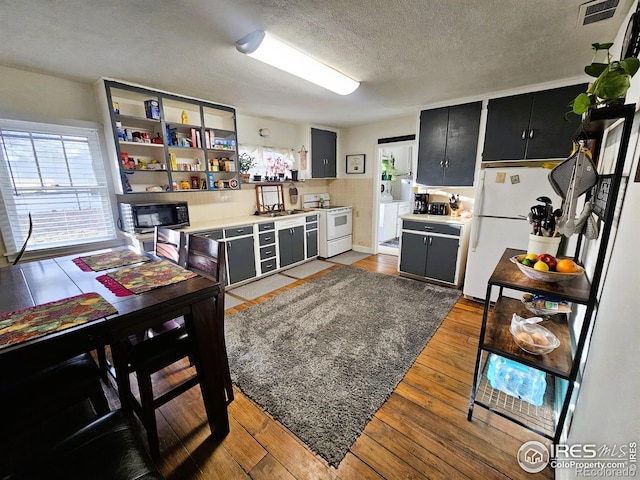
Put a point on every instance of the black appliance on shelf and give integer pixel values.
(437, 208)
(143, 217)
(420, 202)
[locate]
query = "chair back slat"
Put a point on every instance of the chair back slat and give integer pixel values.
(206, 257)
(171, 245)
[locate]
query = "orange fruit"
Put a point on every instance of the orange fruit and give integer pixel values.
(566, 265)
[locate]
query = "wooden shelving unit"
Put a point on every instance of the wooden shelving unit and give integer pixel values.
(563, 365)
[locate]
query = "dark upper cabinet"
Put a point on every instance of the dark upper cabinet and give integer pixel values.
(323, 153)
(448, 144)
(531, 126)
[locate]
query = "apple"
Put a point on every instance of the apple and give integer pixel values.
(550, 260)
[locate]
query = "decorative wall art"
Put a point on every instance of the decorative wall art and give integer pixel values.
(356, 163)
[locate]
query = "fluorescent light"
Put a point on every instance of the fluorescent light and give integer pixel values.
(272, 51)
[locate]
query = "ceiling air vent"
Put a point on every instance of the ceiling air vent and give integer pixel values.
(596, 11)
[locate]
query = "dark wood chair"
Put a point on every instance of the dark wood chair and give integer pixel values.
(171, 245)
(168, 245)
(35, 392)
(204, 256)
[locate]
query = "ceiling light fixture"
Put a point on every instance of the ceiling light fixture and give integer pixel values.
(266, 48)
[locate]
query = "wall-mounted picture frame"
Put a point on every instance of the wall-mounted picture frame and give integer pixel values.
(356, 163)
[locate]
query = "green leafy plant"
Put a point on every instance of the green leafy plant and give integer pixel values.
(246, 162)
(612, 80)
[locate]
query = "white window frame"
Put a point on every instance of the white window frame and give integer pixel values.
(14, 226)
(269, 161)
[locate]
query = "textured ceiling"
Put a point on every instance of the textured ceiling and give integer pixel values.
(406, 53)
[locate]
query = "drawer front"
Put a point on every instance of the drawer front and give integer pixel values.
(214, 234)
(312, 226)
(263, 227)
(267, 238)
(311, 218)
(267, 252)
(238, 231)
(268, 265)
(430, 227)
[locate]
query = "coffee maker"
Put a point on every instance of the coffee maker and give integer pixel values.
(420, 202)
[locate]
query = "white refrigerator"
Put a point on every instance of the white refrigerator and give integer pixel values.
(503, 199)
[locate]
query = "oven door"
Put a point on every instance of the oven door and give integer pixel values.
(338, 224)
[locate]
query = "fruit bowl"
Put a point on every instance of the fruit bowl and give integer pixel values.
(549, 277)
(534, 339)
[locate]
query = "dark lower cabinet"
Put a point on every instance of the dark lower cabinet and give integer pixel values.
(291, 241)
(429, 256)
(241, 259)
(448, 145)
(312, 243)
(323, 153)
(532, 125)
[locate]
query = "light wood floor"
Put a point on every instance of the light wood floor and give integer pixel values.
(421, 431)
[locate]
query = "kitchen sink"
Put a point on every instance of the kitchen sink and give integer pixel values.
(284, 213)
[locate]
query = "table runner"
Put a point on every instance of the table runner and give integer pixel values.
(33, 322)
(142, 278)
(105, 261)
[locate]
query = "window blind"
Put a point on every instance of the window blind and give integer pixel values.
(56, 173)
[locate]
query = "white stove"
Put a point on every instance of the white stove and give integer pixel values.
(334, 224)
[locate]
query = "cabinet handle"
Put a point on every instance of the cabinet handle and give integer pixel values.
(446, 163)
(426, 227)
(524, 134)
(267, 252)
(268, 265)
(531, 133)
(430, 240)
(441, 163)
(240, 230)
(424, 240)
(266, 239)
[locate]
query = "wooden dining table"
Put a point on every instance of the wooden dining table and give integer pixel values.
(40, 282)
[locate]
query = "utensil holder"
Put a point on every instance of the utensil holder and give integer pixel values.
(539, 245)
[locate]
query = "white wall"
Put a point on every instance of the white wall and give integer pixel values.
(43, 98)
(364, 139)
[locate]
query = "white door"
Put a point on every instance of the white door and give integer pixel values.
(494, 235)
(510, 192)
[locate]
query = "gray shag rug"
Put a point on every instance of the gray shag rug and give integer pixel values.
(323, 357)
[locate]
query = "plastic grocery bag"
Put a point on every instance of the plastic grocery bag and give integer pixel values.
(531, 337)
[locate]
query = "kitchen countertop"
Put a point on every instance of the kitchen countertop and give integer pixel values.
(424, 217)
(241, 220)
(222, 223)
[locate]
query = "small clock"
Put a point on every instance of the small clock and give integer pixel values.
(631, 41)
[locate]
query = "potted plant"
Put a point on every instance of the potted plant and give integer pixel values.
(246, 163)
(612, 80)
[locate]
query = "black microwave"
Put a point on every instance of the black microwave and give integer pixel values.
(143, 217)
